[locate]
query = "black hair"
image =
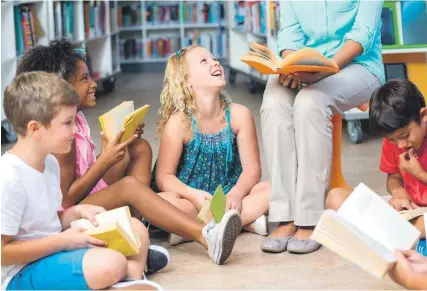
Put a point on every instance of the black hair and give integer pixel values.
(59, 57)
(394, 106)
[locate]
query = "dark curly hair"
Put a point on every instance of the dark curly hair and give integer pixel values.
(59, 57)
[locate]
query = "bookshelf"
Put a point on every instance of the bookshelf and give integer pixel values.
(260, 21)
(88, 23)
(150, 31)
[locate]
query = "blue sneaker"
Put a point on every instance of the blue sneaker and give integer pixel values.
(157, 259)
(422, 247)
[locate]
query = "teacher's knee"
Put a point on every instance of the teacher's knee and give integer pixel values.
(309, 106)
(275, 99)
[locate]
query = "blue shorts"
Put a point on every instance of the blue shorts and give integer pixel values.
(60, 271)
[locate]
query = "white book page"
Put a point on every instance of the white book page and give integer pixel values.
(82, 223)
(377, 247)
(376, 218)
(122, 114)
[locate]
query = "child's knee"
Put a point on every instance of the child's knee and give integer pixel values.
(141, 230)
(141, 147)
(132, 185)
(104, 267)
(336, 197)
(169, 196)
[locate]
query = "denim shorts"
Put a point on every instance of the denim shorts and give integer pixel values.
(60, 271)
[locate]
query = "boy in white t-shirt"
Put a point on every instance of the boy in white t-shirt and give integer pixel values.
(39, 249)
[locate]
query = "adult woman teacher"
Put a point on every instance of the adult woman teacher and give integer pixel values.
(297, 123)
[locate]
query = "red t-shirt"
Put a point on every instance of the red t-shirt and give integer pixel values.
(390, 165)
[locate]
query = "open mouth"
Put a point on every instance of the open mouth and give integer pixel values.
(217, 73)
(92, 95)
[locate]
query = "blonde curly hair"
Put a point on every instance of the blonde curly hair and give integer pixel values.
(177, 96)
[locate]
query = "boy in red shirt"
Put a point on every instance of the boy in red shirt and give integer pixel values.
(398, 111)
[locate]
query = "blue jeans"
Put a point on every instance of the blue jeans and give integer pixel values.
(60, 271)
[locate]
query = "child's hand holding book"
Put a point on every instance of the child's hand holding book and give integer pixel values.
(410, 266)
(77, 238)
(114, 151)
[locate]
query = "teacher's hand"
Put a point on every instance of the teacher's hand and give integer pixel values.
(310, 78)
(290, 81)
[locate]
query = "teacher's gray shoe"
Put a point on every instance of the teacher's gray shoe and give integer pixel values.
(275, 244)
(303, 246)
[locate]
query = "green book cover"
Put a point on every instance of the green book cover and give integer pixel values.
(218, 204)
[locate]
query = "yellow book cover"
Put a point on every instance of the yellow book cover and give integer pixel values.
(307, 59)
(114, 228)
(123, 116)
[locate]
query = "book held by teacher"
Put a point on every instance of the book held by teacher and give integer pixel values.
(307, 59)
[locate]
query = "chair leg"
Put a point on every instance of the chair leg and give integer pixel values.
(337, 179)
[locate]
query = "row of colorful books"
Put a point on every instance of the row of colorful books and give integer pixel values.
(150, 48)
(27, 28)
(250, 16)
(203, 12)
(216, 43)
(94, 13)
(129, 14)
(155, 47)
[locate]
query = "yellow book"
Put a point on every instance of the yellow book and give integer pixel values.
(122, 116)
(307, 59)
(115, 228)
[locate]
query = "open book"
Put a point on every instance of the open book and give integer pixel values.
(114, 228)
(366, 230)
(214, 208)
(307, 59)
(413, 213)
(123, 116)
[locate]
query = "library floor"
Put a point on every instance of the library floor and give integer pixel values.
(248, 267)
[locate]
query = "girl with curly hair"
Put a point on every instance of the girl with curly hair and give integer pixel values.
(206, 141)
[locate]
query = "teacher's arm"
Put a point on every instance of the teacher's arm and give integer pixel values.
(289, 38)
(361, 37)
(358, 40)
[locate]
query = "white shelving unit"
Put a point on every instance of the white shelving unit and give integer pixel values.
(104, 60)
(175, 29)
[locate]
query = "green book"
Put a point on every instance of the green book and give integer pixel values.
(218, 204)
(214, 208)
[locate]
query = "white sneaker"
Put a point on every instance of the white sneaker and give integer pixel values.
(136, 285)
(176, 239)
(222, 236)
(261, 225)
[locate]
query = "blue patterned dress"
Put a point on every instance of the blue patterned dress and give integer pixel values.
(209, 160)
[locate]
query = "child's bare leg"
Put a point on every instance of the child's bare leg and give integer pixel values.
(419, 224)
(255, 204)
(99, 270)
(136, 163)
(336, 198)
(131, 191)
(136, 264)
(141, 156)
(180, 202)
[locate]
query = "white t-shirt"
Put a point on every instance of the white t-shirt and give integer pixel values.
(29, 203)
